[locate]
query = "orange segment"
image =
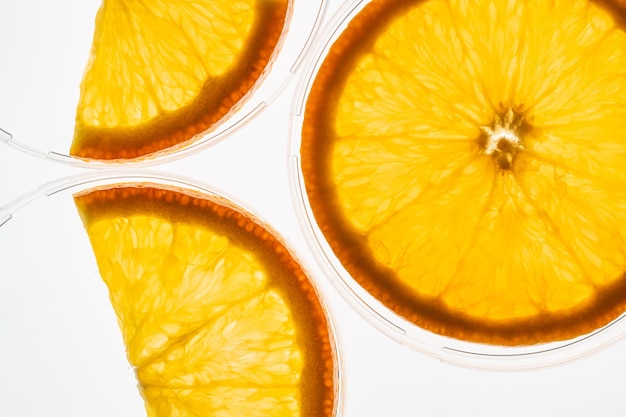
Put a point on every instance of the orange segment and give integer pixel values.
(161, 73)
(218, 318)
(465, 162)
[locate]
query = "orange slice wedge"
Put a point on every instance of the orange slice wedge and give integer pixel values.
(465, 162)
(162, 73)
(217, 316)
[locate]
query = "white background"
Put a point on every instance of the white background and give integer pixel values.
(52, 368)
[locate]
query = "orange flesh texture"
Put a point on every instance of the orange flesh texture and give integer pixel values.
(171, 128)
(503, 279)
(189, 383)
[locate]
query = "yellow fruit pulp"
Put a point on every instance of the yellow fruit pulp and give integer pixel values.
(216, 315)
(161, 73)
(465, 161)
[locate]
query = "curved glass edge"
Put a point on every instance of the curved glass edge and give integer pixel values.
(328, 34)
(84, 181)
(48, 189)
(296, 40)
(445, 349)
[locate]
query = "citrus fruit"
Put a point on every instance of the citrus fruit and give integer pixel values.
(161, 73)
(464, 160)
(217, 316)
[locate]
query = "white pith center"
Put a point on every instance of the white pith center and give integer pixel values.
(504, 129)
(500, 134)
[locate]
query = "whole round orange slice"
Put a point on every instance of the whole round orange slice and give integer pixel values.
(465, 161)
(162, 73)
(217, 316)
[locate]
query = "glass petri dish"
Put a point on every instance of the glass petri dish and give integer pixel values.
(376, 297)
(45, 50)
(59, 327)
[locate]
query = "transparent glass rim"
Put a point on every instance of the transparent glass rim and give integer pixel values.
(81, 182)
(295, 41)
(442, 348)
